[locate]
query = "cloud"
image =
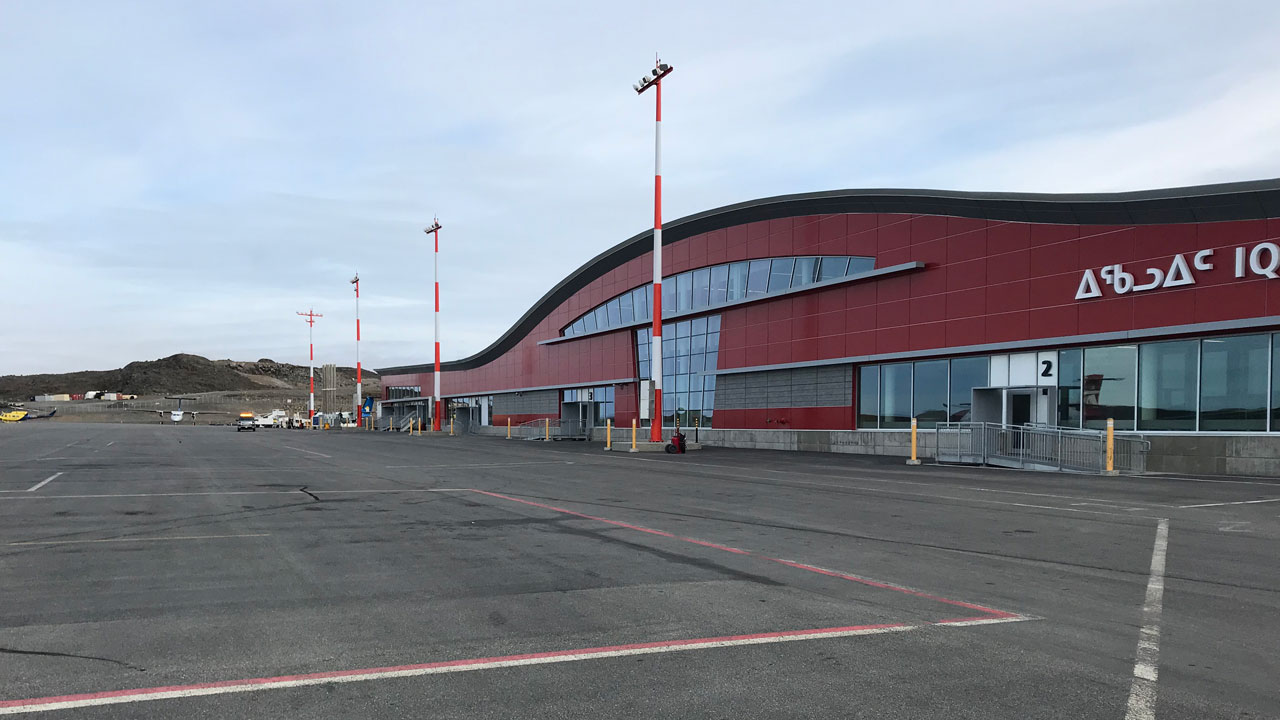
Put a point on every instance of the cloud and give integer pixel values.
(184, 178)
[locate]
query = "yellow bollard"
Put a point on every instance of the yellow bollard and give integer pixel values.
(451, 417)
(508, 428)
(633, 434)
(914, 459)
(608, 434)
(548, 428)
(1111, 447)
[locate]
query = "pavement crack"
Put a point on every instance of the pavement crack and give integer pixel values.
(312, 495)
(46, 653)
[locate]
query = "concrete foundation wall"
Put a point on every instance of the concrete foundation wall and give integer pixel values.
(1256, 455)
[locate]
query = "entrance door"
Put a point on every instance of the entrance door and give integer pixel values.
(1019, 407)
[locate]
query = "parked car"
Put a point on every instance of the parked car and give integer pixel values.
(246, 421)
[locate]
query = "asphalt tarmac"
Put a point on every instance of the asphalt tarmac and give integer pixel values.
(160, 571)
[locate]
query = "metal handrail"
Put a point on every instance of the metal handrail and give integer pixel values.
(1037, 447)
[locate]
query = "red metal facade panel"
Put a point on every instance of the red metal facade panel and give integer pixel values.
(983, 282)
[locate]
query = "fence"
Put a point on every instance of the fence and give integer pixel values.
(1042, 448)
(552, 429)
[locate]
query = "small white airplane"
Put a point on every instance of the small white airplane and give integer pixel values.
(177, 415)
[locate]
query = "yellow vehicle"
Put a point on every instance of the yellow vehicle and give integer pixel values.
(246, 421)
(20, 415)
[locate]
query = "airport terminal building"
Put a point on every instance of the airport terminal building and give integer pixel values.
(829, 320)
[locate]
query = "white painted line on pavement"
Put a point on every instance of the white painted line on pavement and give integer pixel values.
(230, 492)
(305, 451)
(1221, 504)
(112, 697)
(1142, 693)
(43, 482)
(140, 539)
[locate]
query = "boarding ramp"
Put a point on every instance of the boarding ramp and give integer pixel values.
(1035, 447)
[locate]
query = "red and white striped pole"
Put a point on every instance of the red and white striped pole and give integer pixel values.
(311, 316)
(435, 376)
(654, 80)
(359, 389)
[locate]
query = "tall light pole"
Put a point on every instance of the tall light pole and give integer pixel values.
(311, 316)
(654, 80)
(435, 271)
(359, 390)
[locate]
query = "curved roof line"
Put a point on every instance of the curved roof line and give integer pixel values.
(1249, 200)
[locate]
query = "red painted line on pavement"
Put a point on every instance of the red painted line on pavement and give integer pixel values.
(992, 612)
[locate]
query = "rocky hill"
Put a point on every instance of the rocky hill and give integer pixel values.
(175, 374)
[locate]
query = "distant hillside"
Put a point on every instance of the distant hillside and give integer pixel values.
(174, 374)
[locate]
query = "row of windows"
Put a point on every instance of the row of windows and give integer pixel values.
(401, 392)
(688, 348)
(1225, 384)
(1229, 384)
(931, 391)
(718, 284)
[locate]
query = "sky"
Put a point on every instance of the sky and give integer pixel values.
(185, 177)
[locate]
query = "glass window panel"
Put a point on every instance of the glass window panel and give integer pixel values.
(695, 401)
(738, 273)
(640, 301)
(668, 382)
(895, 395)
(684, 291)
(698, 343)
(682, 346)
(668, 347)
(1109, 388)
(1167, 385)
(615, 315)
(648, 300)
(683, 328)
(644, 370)
(668, 330)
(1233, 383)
(719, 284)
(1069, 374)
(868, 396)
(832, 267)
(713, 341)
(805, 271)
(708, 382)
(589, 322)
(682, 365)
(580, 326)
(930, 390)
(682, 383)
(697, 362)
(624, 305)
(642, 349)
(758, 278)
(713, 323)
(568, 396)
(713, 361)
(966, 374)
(860, 265)
(698, 326)
(668, 296)
(701, 287)
(780, 274)
(602, 318)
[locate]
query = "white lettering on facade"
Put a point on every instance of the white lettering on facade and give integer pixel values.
(1262, 260)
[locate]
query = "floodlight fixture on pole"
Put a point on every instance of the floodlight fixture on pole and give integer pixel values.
(359, 388)
(653, 79)
(435, 376)
(311, 316)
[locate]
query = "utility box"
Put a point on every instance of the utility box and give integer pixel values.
(646, 399)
